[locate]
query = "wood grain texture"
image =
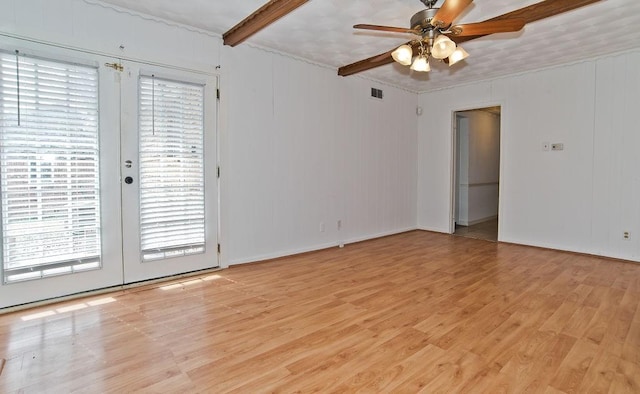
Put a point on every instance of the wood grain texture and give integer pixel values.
(366, 64)
(258, 20)
(415, 312)
(532, 13)
(393, 29)
(373, 61)
(544, 9)
(489, 27)
(449, 11)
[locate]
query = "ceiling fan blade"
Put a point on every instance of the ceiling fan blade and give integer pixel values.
(489, 27)
(449, 12)
(385, 28)
(532, 13)
(544, 9)
(369, 63)
(261, 18)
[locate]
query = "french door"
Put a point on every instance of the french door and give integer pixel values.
(106, 175)
(169, 172)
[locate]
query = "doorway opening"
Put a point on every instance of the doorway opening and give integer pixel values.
(476, 174)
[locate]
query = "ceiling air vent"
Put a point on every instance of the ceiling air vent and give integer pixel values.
(376, 93)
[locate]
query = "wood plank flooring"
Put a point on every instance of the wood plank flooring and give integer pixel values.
(415, 312)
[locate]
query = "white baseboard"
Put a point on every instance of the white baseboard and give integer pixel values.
(379, 235)
(314, 248)
(434, 229)
(564, 248)
(276, 255)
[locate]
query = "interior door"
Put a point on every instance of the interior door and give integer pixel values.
(169, 172)
(60, 189)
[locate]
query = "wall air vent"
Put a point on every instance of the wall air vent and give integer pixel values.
(376, 93)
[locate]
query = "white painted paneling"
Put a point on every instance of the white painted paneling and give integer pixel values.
(484, 147)
(435, 161)
(102, 29)
(304, 148)
(616, 191)
(299, 146)
(578, 199)
(545, 193)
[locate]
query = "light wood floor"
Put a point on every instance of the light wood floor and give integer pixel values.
(408, 313)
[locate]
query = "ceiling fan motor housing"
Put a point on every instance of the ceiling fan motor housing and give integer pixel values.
(422, 20)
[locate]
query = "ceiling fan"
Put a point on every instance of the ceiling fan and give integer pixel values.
(438, 37)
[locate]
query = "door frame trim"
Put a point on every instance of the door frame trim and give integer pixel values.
(453, 161)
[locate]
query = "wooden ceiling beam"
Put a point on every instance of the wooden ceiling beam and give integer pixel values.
(372, 62)
(366, 64)
(261, 18)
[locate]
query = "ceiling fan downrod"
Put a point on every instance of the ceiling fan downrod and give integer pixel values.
(429, 3)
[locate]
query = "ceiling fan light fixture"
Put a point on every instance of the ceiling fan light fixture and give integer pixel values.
(421, 64)
(403, 54)
(442, 47)
(457, 55)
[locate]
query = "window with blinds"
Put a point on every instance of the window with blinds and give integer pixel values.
(49, 167)
(171, 133)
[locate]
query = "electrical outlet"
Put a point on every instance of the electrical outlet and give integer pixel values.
(626, 235)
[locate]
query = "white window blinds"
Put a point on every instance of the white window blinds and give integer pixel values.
(49, 167)
(171, 133)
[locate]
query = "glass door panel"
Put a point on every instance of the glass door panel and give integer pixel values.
(59, 126)
(169, 195)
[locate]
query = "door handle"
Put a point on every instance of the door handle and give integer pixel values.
(128, 180)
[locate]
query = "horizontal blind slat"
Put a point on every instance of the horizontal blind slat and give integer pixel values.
(171, 159)
(49, 167)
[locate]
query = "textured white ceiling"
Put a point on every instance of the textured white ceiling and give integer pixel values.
(321, 31)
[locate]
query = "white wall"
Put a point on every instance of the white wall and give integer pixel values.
(299, 146)
(462, 168)
(579, 199)
(302, 147)
(86, 26)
